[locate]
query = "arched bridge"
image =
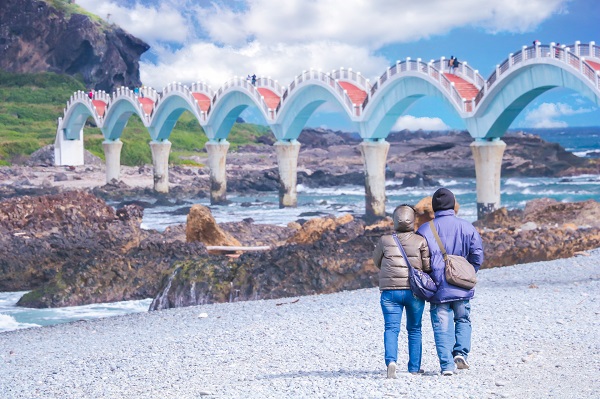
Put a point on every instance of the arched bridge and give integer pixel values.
(488, 107)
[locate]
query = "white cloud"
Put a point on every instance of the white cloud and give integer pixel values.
(547, 114)
(151, 24)
(409, 122)
(213, 64)
(281, 38)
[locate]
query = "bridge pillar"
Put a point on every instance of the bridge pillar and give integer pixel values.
(374, 155)
(217, 154)
(287, 160)
(68, 152)
(488, 165)
(160, 162)
(112, 156)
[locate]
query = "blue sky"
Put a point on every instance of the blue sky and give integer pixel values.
(213, 41)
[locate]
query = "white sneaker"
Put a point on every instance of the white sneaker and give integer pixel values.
(391, 371)
(461, 362)
(447, 373)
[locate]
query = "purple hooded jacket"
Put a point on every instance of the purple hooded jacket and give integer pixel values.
(459, 238)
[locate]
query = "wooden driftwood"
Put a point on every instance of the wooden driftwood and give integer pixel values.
(225, 248)
(233, 252)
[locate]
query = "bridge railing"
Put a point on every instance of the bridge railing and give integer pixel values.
(326, 78)
(572, 56)
(126, 92)
(434, 70)
(83, 97)
(269, 83)
(184, 91)
(245, 84)
(351, 76)
(201, 87)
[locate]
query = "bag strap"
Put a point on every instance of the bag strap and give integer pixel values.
(402, 250)
(437, 238)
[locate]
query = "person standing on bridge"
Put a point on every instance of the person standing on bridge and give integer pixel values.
(254, 80)
(450, 307)
(396, 294)
(91, 94)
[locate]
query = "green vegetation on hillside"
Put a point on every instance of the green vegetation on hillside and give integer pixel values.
(30, 105)
(69, 7)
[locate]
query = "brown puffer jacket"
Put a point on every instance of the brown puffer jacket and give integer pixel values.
(393, 274)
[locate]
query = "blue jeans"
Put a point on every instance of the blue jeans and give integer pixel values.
(392, 304)
(451, 331)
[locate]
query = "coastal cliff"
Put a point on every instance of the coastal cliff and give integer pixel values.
(57, 36)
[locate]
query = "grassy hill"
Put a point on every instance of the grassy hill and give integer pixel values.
(30, 105)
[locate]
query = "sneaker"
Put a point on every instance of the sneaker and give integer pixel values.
(447, 373)
(391, 371)
(461, 362)
(418, 372)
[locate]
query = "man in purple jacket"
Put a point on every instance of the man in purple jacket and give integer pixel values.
(450, 306)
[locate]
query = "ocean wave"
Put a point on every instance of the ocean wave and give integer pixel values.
(519, 182)
(587, 154)
(9, 323)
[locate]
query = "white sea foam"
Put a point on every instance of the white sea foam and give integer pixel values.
(587, 153)
(8, 323)
(520, 182)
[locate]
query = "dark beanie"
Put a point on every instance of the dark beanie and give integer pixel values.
(442, 199)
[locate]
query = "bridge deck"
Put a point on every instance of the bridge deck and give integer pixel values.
(594, 65)
(147, 104)
(271, 98)
(203, 101)
(467, 90)
(356, 94)
(100, 107)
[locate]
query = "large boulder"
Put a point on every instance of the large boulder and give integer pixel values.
(424, 211)
(313, 229)
(201, 226)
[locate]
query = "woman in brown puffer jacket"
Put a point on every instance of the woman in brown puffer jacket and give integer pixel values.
(395, 288)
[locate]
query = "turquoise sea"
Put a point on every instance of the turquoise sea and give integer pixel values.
(264, 209)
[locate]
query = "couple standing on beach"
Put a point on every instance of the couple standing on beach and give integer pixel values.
(449, 307)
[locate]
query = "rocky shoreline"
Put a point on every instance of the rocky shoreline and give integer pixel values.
(63, 241)
(72, 249)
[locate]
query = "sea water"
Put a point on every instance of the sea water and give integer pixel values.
(264, 209)
(14, 318)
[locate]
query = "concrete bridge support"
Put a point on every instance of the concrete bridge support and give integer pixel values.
(112, 156)
(217, 155)
(488, 164)
(287, 160)
(68, 152)
(160, 161)
(374, 155)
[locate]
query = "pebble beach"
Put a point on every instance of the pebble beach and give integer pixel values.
(536, 334)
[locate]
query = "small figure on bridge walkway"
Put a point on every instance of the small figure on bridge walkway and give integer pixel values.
(91, 94)
(557, 50)
(254, 80)
(136, 91)
(453, 64)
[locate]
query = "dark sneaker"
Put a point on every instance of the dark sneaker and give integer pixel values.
(391, 371)
(461, 362)
(447, 373)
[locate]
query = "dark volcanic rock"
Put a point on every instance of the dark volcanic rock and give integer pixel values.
(37, 37)
(73, 249)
